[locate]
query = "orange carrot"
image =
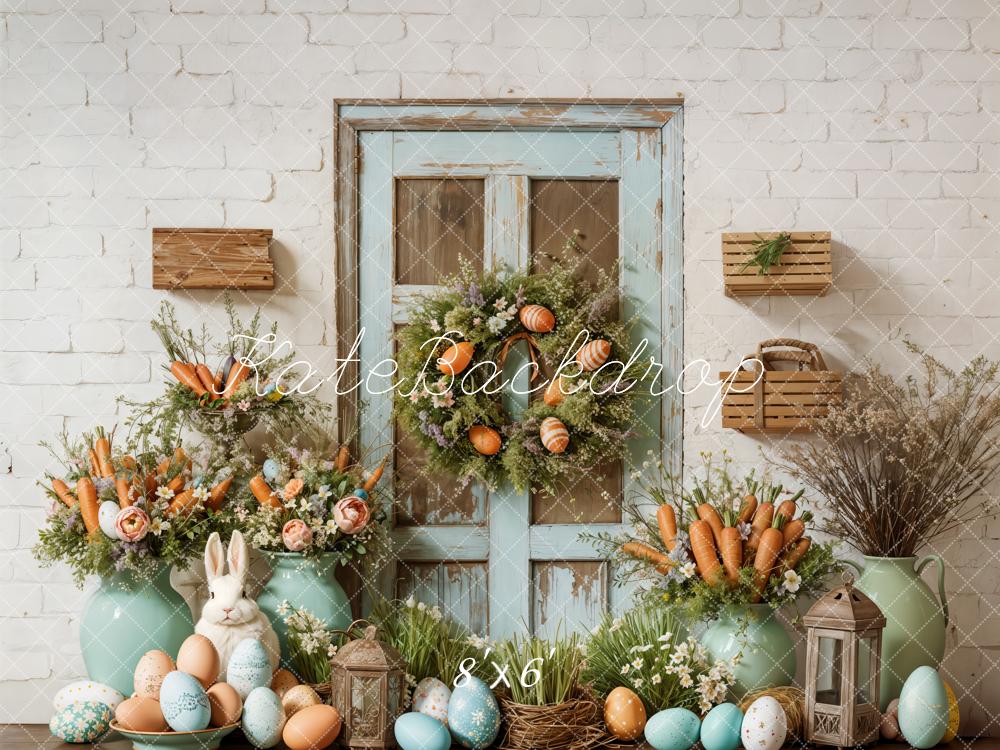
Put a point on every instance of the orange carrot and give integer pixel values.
(177, 483)
(124, 490)
(703, 547)
(787, 509)
(181, 502)
(642, 551)
(263, 492)
(87, 493)
(343, 457)
(95, 467)
(761, 520)
(102, 450)
(237, 374)
(767, 555)
(129, 462)
(747, 509)
(707, 513)
(732, 554)
(795, 528)
(185, 374)
(793, 556)
(205, 376)
(218, 494)
(217, 383)
(666, 519)
(376, 475)
(60, 488)
(150, 486)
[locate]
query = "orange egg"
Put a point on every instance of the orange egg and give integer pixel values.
(150, 671)
(456, 358)
(554, 392)
(141, 714)
(485, 440)
(227, 707)
(283, 681)
(298, 698)
(593, 354)
(312, 728)
(537, 319)
(624, 714)
(199, 659)
(554, 435)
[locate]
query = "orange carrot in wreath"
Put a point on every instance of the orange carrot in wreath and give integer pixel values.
(237, 375)
(343, 458)
(102, 450)
(124, 490)
(794, 555)
(177, 483)
(63, 493)
(205, 377)
(642, 551)
(666, 520)
(186, 375)
(262, 491)
(747, 509)
(218, 494)
(732, 554)
(182, 502)
(767, 556)
(703, 548)
(376, 475)
(95, 467)
(87, 494)
(709, 514)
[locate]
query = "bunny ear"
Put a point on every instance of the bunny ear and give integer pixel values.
(239, 558)
(214, 561)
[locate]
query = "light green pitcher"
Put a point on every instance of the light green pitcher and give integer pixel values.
(767, 653)
(915, 620)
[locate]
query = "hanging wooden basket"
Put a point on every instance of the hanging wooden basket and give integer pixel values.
(780, 401)
(805, 268)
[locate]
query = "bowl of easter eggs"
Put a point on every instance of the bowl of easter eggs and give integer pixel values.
(202, 739)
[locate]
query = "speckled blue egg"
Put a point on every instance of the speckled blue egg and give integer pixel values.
(81, 722)
(249, 667)
(184, 703)
(672, 729)
(106, 515)
(417, 731)
(473, 714)
(263, 718)
(923, 708)
(360, 492)
(270, 469)
(720, 729)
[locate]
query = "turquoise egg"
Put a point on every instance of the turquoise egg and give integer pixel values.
(473, 714)
(184, 703)
(270, 469)
(249, 667)
(81, 722)
(263, 718)
(106, 515)
(416, 731)
(923, 708)
(672, 729)
(720, 729)
(359, 492)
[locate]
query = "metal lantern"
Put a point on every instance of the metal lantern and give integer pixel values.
(368, 679)
(843, 659)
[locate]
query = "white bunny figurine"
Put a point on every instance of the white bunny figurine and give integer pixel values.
(228, 616)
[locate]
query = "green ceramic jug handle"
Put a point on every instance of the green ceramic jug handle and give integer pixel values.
(940, 567)
(861, 571)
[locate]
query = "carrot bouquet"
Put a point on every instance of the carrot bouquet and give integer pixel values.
(121, 510)
(722, 542)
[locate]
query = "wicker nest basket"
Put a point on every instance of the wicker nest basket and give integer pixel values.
(323, 689)
(576, 724)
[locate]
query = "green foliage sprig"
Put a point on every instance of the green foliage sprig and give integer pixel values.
(768, 252)
(542, 672)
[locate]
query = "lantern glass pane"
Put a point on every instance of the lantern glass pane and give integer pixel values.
(394, 706)
(829, 670)
(864, 675)
(366, 706)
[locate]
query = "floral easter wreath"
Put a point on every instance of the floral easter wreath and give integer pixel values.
(450, 378)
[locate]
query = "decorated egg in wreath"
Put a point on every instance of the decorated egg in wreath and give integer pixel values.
(485, 440)
(537, 319)
(456, 358)
(555, 392)
(554, 435)
(593, 354)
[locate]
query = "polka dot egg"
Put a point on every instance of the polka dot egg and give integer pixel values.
(81, 722)
(764, 725)
(431, 697)
(624, 714)
(473, 715)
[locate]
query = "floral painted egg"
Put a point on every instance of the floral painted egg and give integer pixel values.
(150, 671)
(270, 469)
(418, 731)
(431, 697)
(923, 708)
(249, 667)
(473, 714)
(85, 691)
(537, 319)
(593, 354)
(765, 725)
(184, 703)
(81, 722)
(263, 719)
(106, 516)
(672, 729)
(554, 435)
(456, 358)
(720, 729)
(485, 440)
(624, 714)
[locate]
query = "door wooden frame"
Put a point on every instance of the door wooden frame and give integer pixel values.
(354, 115)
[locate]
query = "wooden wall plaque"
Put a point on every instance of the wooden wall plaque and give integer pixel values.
(195, 258)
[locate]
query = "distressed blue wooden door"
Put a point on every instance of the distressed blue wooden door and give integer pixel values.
(429, 199)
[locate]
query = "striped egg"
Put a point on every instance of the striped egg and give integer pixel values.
(593, 354)
(456, 358)
(537, 319)
(555, 436)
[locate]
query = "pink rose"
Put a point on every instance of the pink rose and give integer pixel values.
(296, 535)
(351, 514)
(132, 524)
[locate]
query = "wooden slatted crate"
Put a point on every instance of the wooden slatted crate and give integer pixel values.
(806, 268)
(195, 258)
(779, 401)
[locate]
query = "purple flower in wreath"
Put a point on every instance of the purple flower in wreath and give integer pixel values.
(533, 446)
(519, 297)
(71, 519)
(473, 296)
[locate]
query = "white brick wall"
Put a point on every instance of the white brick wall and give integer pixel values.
(877, 121)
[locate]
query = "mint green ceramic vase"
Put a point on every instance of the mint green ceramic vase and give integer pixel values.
(767, 652)
(125, 618)
(915, 619)
(303, 582)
